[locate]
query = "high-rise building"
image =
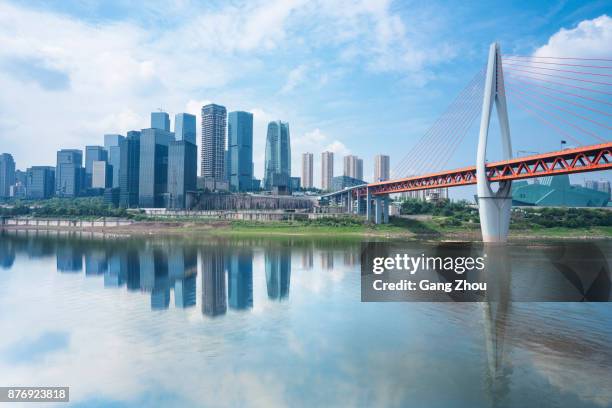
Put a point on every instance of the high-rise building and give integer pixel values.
(129, 168)
(182, 171)
(601, 185)
(327, 170)
(102, 175)
(160, 120)
(7, 174)
(277, 172)
(240, 144)
(381, 167)
(69, 173)
(111, 144)
(353, 167)
(214, 122)
(40, 182)
(93, 153)
(307, 170)
(185, 127)
(153, 173)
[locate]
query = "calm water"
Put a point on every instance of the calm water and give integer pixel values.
(176, 322)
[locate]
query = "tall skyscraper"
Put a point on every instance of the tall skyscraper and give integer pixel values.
(111, 144)
(160, 120)
(240, 133)
(7, 174)
(182, 171)
(307, 170)
(153, 173)
(40, 182)
(185, 127)
(102, 175)
(353, 167)
(381, 167)
(129, 168)
(327, 170)
(69, 173)
(277, 172)
(93, 153)
(214, 122)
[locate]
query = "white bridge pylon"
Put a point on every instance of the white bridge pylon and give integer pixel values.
(494, 207)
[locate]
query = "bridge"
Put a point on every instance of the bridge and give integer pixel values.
(486, 90)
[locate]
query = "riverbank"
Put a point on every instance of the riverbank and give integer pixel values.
(399, 228)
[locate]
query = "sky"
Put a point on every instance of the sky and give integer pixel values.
(354, 77)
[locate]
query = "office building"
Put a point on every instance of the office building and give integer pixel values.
(102, 175)
(327, 170)
(153, 173)
(214, 122)
(40, 182)
(185, 127)
(7, 174)
(129, 168)
(381, 167)
(277, 171)
(69, 173)
(93, 153)
(160, 120)
(307, 170)
(295, 183)
(182, 172)
(111, 144)
(353, 167)
(240, 146)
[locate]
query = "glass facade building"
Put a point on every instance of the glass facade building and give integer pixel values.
(7, 174)
(69, 173)
(277, 171)
(182, 172)
(240, 143)
(214, 122)
(160, 120)
(93, 153)
(185, 127)
(40, 182)
(129, 168)
(153, 167)
(111, 144)
(102, 175)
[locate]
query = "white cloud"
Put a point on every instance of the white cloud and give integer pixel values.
(295, 77)
(589, 39)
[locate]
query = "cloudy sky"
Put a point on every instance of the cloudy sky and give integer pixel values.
(360, 77)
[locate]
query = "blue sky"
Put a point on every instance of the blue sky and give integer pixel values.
(361, 77)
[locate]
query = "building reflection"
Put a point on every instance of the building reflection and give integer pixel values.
(307, 258)
(278, 272)
(7, 254)
(69, 259)
(214, 298)
(96, 262)
(240, 279)
(182, 270)
(327, 260)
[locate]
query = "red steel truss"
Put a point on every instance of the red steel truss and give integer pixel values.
(581, 159)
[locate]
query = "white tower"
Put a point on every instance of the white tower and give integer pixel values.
(494, 207)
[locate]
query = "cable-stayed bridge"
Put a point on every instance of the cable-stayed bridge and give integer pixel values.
(571, 96)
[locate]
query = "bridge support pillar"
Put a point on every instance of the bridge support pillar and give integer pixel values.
(493, 206)
(386, 209)
(378, 216)
(369, 212)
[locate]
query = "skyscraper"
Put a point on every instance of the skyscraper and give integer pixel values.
(277, 172)
(69, 173)
(307, 170)
(160, 120)
(353, 167)
(93, 153)
(327, 170)
(185, 127)
(111, 144)
(182, 171)
(214, 122)
(153, 173)
(40, 182)
(7, 174)
(240, 133)
(129, 168)
(381, 167)
(102, 174)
